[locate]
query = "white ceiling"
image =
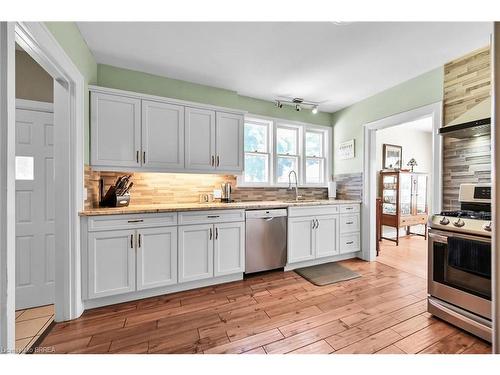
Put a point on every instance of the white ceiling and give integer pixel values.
(338, 64)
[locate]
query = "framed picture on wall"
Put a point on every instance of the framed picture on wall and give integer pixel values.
(392, 156)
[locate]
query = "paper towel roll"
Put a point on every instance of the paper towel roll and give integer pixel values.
(332, 189)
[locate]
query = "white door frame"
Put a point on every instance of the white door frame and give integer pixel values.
(69, 93)
(370, 169)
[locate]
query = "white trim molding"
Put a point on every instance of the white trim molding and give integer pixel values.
(69, 94)
(7, 188)
(32, 105)
(370, 169)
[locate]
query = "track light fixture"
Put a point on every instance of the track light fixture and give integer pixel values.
(298, 104)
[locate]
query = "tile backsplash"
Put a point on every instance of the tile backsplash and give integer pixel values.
(162, 188)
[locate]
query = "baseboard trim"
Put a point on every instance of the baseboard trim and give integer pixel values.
(315, 262)
(112, 300)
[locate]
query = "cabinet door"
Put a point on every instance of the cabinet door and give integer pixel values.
(200, 139)
(327, 235)
(300, 239)
(115, 131)
(111, 263)
(196, 252)
(156, 257)
(162, 135)
(229, 248)
(229, 142)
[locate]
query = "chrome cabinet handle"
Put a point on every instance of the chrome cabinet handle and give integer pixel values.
(131, 241)
(210, 233)
(212, 216)
(137, 156)
(218, 160)
(139, 240)
(144, 157)
(349, 243)
(216, 233)
(313, 224)
(349, 222)
(136, 221)
(317, 223)
(213, 161)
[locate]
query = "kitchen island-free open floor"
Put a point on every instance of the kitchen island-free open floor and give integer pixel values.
(384, 311)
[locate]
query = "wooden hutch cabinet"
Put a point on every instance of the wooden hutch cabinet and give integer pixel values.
(404, 200)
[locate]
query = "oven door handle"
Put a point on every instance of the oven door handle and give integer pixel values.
(438, 238)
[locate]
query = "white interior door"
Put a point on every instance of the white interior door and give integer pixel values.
(35, 238)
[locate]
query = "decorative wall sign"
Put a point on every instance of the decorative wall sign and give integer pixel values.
(393, 156)
(346, 150)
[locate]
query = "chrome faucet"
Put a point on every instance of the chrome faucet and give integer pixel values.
(297, 196)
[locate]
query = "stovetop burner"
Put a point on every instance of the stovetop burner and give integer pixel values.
(479, 215)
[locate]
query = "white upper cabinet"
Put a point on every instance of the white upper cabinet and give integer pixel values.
(200, 139)
(162, 135)
(115, 131)
(131, 131)
(229, 142)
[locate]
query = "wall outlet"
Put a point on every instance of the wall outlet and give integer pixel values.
(217, 193)
(85, 194)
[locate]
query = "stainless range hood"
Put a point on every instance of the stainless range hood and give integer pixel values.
(473, 123)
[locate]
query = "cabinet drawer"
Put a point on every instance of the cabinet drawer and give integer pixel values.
(349, 208)
(349, 243)
(413, 220)
(349, 223)
(312, 210)
(208, 217)
(113, 222)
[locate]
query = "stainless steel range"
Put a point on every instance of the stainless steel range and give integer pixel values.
(459, 264)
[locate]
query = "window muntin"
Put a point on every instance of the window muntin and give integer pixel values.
(315, 160)
(273, 148)
(257, 152)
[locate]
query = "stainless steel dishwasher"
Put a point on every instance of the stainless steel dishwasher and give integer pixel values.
(265, 240)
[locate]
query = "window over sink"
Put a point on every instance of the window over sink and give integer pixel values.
(274, 147)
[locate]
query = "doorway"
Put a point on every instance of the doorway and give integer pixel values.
(404, 213)
(371, 169)
(68, 129)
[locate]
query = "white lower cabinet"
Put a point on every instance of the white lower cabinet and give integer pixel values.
(156, 257)
(196, 252)
(316, 232)
(327, 238)
(312, 237)
(211, 250)
(111, 256)
(229, 246)
(301, 239)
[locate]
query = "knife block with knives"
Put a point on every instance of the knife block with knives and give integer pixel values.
(118, 195)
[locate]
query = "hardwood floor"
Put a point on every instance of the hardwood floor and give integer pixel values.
(384, 311)
(410, 256)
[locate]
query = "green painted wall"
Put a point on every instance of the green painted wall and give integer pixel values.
(124, 79)
(348, 122)
(70, 39)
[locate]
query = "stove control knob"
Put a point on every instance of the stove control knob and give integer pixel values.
(444, 221)
(459, 223)
(487, 227)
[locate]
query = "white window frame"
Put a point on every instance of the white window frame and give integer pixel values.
(270, 148)
(302, 127)
(298, 142)
(324, 156)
